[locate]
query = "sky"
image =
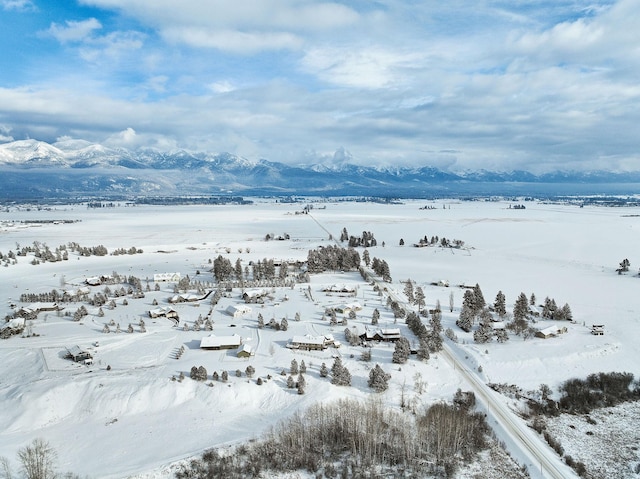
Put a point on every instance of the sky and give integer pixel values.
(478, 84)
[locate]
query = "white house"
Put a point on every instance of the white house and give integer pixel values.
(220, 342)
(166, 277)
(238, 310)
(308, 342)
(549, 332)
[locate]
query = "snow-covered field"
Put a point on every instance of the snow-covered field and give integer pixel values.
(133, 419)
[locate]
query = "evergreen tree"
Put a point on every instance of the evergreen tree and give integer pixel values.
(225, 376)
(501, 335)
(419, 298)
(423, 350)
(521, 308)
(532, 299)
(250, 371)
(340, 375)
(466, 318)
(303, 367)
(260, 321)
(294, 367)
(500, 304)
(402, 351)
(375, 317)
(408, 291)
(366, 258)
(324, 371)
(378, 379)
(290, 382)
(284, 324)
(469, 301)
(202, 373)
(479, 298)
(566, 312)
(483, 334)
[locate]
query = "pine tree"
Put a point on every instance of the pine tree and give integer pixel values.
(479, 298)
(466, 318)
(402, 351)
(250, 371)
(225, 376)
(500, 304)
(324, 371)
(340, 375)
(483, 334)
(521, 308)
(423, 350)
(260, 321)
(290, 382)
(303, 367)
(284, 324)
(408, 291)
(419, 298)
(375, 317)
(294, 367)
(566, 312)
(378, 379)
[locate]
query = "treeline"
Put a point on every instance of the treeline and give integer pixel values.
(349, 438)
(598, 390)
(332, 258)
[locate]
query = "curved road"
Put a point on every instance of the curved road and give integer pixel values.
(541, 460)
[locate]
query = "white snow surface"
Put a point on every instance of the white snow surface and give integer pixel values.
(134, 420)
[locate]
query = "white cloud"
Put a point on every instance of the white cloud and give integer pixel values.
(5, 136)
(74, 31)
(221, 87)
(126, 138)
(372, 67)
(241, 26)
(230, 40)
(19, 5)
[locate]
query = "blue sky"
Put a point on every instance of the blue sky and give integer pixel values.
(494, 84)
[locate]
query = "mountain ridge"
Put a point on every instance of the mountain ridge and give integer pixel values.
(78, 167)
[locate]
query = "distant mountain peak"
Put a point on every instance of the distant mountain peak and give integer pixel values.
(78, 167)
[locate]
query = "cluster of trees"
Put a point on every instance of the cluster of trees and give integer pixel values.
(430, 339)
(550, 310)
(381, 268)
(332, 258)
(473, 304)
(198, 373)
(436, 241)
(579, 396)
(474, 307)
(283, 325)
(365, 240)
(99, 250)
(132, 250)
(349, 438)
(415, 295)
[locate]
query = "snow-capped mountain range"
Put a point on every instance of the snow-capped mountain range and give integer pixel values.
(36, 169)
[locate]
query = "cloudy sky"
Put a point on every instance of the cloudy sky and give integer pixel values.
(496, 84)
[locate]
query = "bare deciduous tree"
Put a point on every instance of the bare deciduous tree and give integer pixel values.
(37, 460)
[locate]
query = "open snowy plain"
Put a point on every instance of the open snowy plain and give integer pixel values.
(125, 416)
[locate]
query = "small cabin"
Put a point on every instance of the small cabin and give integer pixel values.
(597, 329)
(79, 355)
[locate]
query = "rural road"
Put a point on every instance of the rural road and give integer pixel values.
(522, 442)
